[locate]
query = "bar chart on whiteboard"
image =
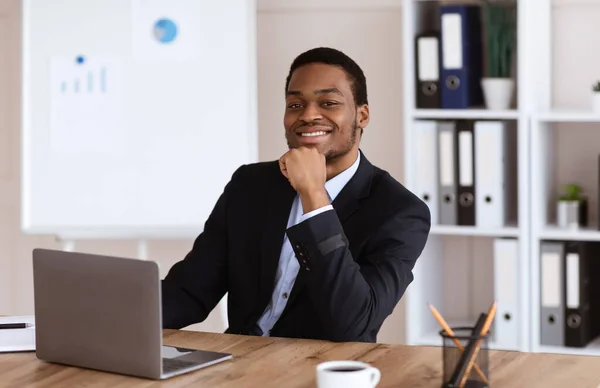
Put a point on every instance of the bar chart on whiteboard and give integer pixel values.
(87, 106)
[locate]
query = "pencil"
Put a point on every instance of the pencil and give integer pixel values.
(484, 331)
(438, 317)
(461, 366)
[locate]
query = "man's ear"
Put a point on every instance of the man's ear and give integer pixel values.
(362, 117)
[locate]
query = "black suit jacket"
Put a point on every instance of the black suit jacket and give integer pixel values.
(355, 261)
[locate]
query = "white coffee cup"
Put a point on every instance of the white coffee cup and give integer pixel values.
(347, 374)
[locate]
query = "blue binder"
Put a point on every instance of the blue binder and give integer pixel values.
(462, 51)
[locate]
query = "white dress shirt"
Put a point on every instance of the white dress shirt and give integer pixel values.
(288, 264)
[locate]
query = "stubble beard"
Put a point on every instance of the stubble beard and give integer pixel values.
(333, 155)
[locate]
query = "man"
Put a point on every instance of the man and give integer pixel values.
(320, 244)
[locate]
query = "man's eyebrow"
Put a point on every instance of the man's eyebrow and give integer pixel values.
(330, 90)
(318, 92)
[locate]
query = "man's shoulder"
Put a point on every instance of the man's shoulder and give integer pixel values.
(386, 189)
(384, 181)
(256, 172)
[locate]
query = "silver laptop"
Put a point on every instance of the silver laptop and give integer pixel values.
(104, 313)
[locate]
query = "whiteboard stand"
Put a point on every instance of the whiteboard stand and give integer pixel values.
(68, 245)
(142, 250)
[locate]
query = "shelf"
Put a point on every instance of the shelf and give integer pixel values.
(569, 116)
(593, 349)
(509, 231)
(465, 114)
(556, 233)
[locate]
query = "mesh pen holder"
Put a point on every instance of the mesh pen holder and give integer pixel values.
(456, 363)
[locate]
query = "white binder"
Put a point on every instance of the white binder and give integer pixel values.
(490, 174)
(426, 166)
(506, 272)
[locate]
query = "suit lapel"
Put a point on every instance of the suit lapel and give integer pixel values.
(277, 212)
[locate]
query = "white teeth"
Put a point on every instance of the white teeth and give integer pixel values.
(320, 133)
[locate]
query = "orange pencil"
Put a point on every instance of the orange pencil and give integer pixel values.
(438, 317)
(484, 331)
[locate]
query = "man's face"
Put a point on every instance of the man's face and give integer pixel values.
(320, 111)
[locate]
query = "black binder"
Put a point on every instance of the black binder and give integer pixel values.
(465, 154)
(581, 289)
(427, 56)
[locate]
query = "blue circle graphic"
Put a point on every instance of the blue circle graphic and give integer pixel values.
(165, 30)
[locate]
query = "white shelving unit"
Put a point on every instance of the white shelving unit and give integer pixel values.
(546, 128)
(455, 271)
(552, 127)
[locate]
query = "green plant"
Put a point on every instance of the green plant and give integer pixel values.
(596, 86)
(572, 192)
(500, 27)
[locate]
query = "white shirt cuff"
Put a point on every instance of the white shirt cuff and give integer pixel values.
(313, 213)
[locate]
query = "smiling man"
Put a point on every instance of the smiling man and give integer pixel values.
(320, 244)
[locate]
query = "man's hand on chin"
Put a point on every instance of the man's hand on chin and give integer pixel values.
(306, 170)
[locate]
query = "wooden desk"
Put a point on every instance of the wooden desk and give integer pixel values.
(289, 363)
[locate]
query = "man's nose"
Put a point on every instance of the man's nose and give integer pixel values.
(311, 113)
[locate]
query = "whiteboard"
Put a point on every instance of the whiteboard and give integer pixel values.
(132, 129)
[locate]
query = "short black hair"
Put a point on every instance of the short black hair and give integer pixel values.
(334, 57)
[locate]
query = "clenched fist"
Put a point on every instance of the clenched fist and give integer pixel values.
(306, 170)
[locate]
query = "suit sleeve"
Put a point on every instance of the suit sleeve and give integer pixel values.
(353, 299)
(194, 285)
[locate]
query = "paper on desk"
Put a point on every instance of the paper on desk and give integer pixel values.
(17, 340)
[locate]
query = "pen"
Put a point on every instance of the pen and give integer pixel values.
(15, 325)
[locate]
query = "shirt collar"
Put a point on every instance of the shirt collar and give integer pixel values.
(337, 183)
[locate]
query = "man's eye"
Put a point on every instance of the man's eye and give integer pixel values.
(294, 106)
(330, 103)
